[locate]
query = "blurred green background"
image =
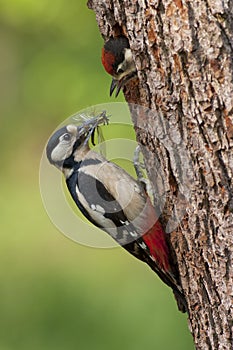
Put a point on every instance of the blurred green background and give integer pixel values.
(56, 294)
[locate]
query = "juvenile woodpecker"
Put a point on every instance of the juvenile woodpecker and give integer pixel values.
(117, 60)
(113, 201)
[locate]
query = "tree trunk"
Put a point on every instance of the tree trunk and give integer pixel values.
(183, 52)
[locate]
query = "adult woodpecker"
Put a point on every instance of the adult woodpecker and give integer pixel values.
(113, 201)
(117, 60)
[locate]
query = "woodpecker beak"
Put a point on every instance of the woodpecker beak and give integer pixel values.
(116, 84)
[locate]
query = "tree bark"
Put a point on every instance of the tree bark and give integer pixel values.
(183, 52)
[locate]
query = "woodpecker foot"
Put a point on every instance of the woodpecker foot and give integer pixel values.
(138, 166)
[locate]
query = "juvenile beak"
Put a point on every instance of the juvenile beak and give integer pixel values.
(115, 84)
(118, 84)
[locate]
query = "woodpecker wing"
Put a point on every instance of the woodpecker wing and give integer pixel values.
(118, 204)
(103, 208)
(119, 184)
(109, 215)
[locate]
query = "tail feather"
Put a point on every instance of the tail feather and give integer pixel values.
(156, 255)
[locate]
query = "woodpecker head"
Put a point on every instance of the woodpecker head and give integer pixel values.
(62, 146)
(118, 61)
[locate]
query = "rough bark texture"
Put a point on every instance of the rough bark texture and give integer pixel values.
(183, 52)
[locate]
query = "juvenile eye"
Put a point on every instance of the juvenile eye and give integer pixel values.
(66, 137)
(120, 70)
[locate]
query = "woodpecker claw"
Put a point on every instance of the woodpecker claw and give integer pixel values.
(136, 162)
(145, 183)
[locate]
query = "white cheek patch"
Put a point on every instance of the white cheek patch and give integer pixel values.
(127, 65)
(128, 55)
(61, 152)
(121, 66)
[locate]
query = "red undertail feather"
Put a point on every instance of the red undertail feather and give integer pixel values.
(155, 240)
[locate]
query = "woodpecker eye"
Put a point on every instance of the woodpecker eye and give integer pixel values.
(66, 137)
(120, 70)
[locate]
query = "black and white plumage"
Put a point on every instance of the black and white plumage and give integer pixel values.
(99, 188)
(112, 200)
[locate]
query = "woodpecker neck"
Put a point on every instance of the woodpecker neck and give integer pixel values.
(72, 163)
(81, 152)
